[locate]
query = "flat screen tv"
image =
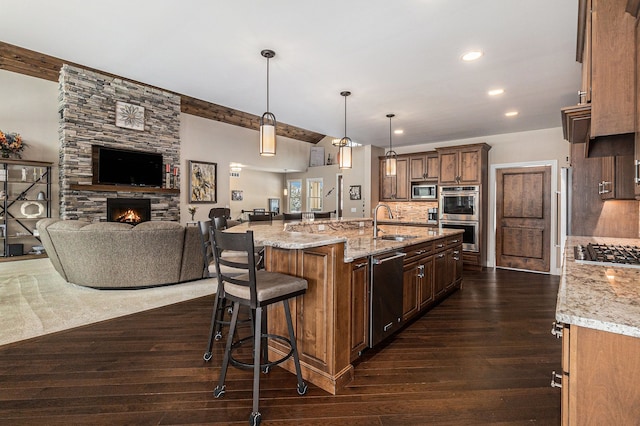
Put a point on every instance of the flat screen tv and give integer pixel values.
(126, 167)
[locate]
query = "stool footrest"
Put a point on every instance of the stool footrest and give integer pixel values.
(246, 366)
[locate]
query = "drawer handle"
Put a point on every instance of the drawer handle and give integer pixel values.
(455, 241)
(637, 178)
(441, 255)
(360, 265)
(556, 380)
(556, 330)
(440, 245)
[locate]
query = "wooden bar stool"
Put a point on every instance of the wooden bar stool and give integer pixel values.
(256, 289)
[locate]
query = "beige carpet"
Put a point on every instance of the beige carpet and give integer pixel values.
(35, 300)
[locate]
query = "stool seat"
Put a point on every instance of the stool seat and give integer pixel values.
(269, 286)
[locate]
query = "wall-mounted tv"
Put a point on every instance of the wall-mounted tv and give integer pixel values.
(113, 166)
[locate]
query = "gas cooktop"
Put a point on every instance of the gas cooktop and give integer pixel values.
(603, 254)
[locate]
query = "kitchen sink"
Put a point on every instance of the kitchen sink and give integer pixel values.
(396, 237)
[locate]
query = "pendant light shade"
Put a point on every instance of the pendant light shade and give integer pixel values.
(285, 191)
(268, 120)
(390, 157)
(344, 154)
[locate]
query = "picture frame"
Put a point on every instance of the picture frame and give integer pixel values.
(203, 182)
(129, 116)
(355, 192)
(236, 195)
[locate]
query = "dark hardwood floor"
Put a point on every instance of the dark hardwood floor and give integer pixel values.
(483, 356)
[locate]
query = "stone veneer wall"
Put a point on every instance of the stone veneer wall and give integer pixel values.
(87, 107)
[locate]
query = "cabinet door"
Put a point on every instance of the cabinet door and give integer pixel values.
(448, 167)
(637, 150)
(432, 167)
(394, 188)
(426, 284)
(418, 168)
(470, 167)
(617, 178)
(441, 274)
(612, 68)
(410, 284)
(402, 179)
(359, 306)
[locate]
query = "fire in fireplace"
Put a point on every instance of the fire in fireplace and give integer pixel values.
(128, 210)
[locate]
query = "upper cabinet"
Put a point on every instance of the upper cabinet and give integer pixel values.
(612, 65)
(395, 188)
(463, 165)
(637, 138)
(424, 166)
(606, 47)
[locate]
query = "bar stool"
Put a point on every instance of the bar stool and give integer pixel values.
(256, 289)
(220, 304)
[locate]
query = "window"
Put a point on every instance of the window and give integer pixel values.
(314, 194)
(294, 187)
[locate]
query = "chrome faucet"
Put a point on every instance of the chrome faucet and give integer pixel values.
(375, 218)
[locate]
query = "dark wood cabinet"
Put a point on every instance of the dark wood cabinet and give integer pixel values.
(611, 66)
(359, 308)
(395, 188)
(617, 178)
(636, 163)
(424, 167)
(411, 284)
(463, 165)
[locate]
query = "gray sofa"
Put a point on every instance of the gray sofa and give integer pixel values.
(119, 255)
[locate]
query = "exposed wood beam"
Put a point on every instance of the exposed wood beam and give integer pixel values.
(23, 61)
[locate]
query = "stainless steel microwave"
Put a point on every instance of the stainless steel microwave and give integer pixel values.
(420, 191)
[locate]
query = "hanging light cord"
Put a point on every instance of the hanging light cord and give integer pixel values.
(267, 83)
(345, 116)
(390, 144)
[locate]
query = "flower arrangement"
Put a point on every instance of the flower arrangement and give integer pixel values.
(192, 211)
(11, 143)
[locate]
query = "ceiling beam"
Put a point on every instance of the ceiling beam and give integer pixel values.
(23, 61)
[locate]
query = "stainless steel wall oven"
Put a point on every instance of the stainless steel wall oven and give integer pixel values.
(460, 203)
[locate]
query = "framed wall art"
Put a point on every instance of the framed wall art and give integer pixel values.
(236, 195)
(129, 116)
(354, 192)
(203, 182)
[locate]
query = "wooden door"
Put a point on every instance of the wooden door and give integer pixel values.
(432, 167)
(523, 218)
(417, 167)
(410, 284)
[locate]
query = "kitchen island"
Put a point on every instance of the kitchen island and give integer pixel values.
(598, 317)
(332, 320)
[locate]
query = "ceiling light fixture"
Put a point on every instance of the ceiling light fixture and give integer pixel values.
(398, 132)
(285, 192)
(344, 154)
(390, 157)
(495, 92)
(472, 55)
(268, 120)
(511, 113)
(235, 168)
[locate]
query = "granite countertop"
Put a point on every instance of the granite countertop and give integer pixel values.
(600, 297)
(357, 234)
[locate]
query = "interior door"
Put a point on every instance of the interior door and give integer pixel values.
(523, 218)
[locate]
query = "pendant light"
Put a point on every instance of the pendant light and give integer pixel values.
(268, 120)
(344, 152)
(391, 156)
(285, 192)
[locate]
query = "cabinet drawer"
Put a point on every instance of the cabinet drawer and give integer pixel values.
(419, 250)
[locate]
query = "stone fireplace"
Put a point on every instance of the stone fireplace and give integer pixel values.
(87, 108)
(128, 210)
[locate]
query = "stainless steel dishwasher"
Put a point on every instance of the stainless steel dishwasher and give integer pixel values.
(385, 296)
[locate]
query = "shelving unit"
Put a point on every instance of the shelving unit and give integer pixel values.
(25, 198)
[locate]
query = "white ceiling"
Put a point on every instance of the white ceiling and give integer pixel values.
(400, 56)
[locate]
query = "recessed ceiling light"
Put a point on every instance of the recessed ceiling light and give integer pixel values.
(472, 55)
(495, 92)
(511, 113)
(398, 132)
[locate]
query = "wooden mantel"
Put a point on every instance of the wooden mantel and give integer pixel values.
(123, 188)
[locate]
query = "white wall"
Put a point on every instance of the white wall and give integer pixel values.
(29, 106)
